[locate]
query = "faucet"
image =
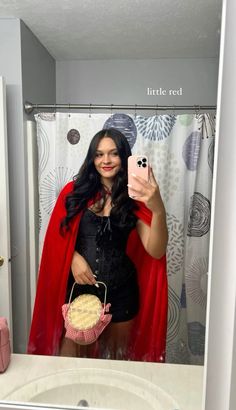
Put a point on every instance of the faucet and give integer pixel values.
(83, 403)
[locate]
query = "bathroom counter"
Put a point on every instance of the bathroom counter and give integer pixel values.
(182, 382)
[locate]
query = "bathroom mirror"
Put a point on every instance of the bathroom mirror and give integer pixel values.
(166, 82)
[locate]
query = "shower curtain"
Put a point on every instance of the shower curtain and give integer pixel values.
(181, 151)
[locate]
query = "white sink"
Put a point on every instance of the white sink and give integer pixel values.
(100, 388)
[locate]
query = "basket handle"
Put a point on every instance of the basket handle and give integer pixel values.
(102, 283)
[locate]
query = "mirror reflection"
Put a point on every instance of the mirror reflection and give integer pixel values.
(182, 160)
(180, 149)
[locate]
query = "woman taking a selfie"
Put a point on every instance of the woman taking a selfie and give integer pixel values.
(102, 229)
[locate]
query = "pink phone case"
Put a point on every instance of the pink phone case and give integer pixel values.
(138, 165)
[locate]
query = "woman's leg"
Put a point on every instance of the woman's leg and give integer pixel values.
(69, 348)
(113, 342)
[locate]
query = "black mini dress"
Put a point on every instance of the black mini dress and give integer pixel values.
(102, 242)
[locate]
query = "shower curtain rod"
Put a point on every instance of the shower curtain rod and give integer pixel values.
(29, 107)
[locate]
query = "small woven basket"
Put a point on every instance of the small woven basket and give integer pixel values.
(86, 317)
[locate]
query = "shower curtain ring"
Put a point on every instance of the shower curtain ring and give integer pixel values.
(197, 110)
(156, 110)
(135, 112)
(69, 110)
(90, 115)
(111, 109)
(174, 109)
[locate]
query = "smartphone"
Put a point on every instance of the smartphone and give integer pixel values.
(138, 165)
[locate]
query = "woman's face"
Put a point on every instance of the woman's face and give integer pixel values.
(107, 161)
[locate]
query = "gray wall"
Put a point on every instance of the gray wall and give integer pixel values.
(38, 70)
(29, 72)
(38, 84)
(126, 81)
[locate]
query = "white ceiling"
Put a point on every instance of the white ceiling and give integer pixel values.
(121, 29)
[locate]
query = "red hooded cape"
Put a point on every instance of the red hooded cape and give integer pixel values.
(148, 341)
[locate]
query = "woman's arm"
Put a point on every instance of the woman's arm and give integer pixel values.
(155, 236)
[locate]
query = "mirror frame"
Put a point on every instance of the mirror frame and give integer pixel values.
(220, 366)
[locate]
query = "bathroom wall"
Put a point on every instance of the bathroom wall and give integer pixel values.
(128, 81)
(29, 73)
(38, 70)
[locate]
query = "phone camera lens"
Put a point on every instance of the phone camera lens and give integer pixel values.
(144, 159)
(139, 163)
(144, 165)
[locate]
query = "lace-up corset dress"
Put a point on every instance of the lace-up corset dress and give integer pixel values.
(102, 242)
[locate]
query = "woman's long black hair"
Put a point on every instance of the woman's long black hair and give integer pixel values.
(87, 183)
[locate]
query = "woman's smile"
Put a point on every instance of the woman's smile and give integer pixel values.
(107, 168)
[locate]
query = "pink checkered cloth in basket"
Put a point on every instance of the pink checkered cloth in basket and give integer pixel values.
(90, 335)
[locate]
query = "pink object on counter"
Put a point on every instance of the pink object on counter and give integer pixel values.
(5, 348)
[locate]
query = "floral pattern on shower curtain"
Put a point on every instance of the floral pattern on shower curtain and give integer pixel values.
(181, 151)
